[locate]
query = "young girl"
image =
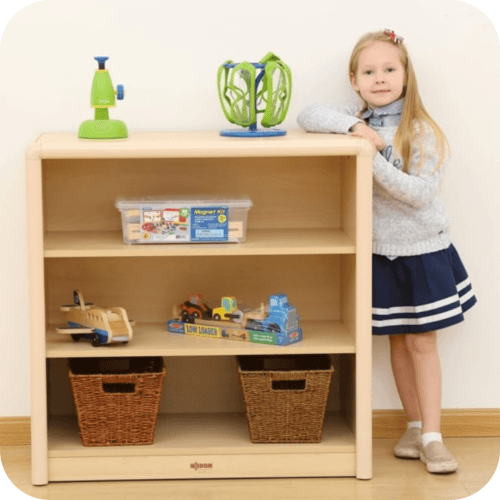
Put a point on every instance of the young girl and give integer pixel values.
(419, 282)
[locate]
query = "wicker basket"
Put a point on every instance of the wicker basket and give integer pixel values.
(285, 396)
(117, 399)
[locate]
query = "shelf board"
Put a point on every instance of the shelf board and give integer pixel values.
(197, 434)
(153, 339)
(258, 242)
(200, 144)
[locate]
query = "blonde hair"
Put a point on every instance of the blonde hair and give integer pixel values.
(414, 117)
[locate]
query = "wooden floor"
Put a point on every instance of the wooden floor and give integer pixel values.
(394, 479)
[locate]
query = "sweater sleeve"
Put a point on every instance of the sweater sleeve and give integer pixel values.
(417, 188)
(328, 118)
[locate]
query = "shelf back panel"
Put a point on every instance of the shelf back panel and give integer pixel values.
(192, 385)
(291, 192)
(149, 287)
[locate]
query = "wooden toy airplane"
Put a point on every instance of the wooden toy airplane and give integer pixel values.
(100, 326)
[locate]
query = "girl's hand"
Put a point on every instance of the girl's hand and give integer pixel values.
(365, 132)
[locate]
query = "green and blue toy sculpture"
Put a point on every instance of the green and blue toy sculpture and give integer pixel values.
(102, 97)
(243, 87)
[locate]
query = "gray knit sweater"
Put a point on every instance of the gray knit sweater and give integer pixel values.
(408, 216)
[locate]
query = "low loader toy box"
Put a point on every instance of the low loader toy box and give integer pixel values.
(184, 219)
(274, 324)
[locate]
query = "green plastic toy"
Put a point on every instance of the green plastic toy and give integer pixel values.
(102, 97)
(240, 95)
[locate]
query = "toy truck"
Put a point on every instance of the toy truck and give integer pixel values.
(194, 307)
(281, 318)
(277, 324)
(228, 311)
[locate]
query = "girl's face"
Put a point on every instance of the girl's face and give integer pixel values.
(380, 77)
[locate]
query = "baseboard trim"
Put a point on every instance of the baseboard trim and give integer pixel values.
(386, 424)
(15, 431)
(454, 423)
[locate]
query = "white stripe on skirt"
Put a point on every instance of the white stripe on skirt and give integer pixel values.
(417, 321)
(424, 308)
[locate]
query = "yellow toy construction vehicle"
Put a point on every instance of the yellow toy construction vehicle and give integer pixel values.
(228, 311)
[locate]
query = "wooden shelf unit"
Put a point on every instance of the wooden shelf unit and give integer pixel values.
(309, 235)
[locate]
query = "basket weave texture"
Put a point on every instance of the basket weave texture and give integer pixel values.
(286, 402)
(117, 399)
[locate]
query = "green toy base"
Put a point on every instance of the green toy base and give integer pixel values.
(103, 129)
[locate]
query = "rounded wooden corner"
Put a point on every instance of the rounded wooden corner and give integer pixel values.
(34, 150)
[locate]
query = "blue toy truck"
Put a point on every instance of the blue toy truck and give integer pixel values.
(282, 317)
(277, 324)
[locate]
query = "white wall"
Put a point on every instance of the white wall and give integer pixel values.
(166, 53)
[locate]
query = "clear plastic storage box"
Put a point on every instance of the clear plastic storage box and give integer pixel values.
(184, 219)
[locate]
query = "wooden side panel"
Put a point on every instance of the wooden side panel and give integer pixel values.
(37, 322)
(363, 317)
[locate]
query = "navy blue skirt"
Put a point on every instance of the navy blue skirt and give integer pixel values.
(420, 293)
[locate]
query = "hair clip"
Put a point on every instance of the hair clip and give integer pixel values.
(395, 38)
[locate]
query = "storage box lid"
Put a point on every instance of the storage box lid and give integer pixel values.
(230, 201)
